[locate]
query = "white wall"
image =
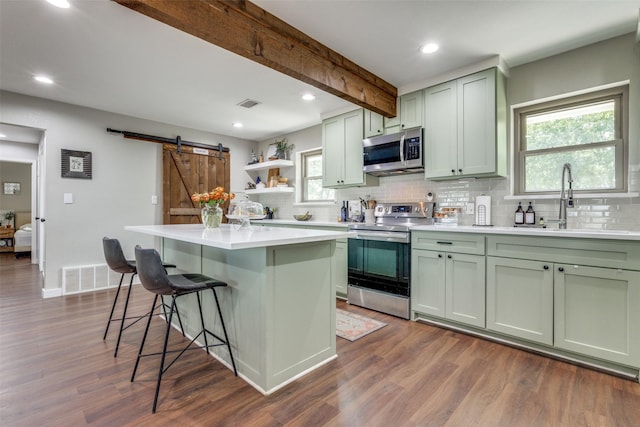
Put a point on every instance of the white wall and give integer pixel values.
(604, 63)
(19, 173)
(126, 173)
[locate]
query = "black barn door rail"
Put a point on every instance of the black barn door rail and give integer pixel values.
(177, 141)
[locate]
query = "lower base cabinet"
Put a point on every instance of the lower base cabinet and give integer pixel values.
(597, 312)
(341, 278)
(449, 285)
(520, 298)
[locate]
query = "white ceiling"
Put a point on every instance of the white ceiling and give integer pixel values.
(105, 56)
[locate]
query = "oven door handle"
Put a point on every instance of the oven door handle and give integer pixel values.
(383, 236)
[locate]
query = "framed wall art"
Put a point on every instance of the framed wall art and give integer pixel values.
(76, 164)
(11, 188)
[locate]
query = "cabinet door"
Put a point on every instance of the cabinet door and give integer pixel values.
(520, 298)
(465, 289)
(597, 312)
(392, 124)
(372, 124)
(428, 282)
(353, 162)
(440, 132)
(411, 110)
(477, 123)
(340, 276)
(333, 151)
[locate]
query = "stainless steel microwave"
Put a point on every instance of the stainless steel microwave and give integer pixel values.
(394, 154)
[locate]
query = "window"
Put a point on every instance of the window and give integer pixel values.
(311, 179)
(588, 131)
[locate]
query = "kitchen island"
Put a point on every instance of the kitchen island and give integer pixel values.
(279, 307)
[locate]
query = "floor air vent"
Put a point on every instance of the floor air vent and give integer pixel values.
(89, 278)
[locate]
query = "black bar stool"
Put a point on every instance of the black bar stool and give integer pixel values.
(118, 263)
(155, 279)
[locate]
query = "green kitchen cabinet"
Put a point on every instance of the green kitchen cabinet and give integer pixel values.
(448, 284)
(411, 110)
(520, 298)
(465, 127)
(392, 124)
(597, 312)
(340, 272)
(373, 124)
(342, 150)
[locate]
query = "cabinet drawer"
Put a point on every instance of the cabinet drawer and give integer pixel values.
(463, 243)
(623, 254)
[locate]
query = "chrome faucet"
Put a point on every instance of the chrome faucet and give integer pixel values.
(566, 199)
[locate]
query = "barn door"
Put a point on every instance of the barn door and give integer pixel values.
(186, 173)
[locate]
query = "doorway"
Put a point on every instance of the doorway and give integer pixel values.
(23, 146)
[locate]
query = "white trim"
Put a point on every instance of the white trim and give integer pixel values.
(570, 94)
(51, 293)
(298, 200)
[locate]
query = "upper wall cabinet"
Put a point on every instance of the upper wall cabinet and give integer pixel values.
(373, 124)
(412, 105)
(342, 151)
(465, 127)
(411, 110)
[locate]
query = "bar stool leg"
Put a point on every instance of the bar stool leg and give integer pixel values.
(164, 309)
(124, 315)
(115, 301)
(224, 329)
(164, 353)
(144, 337)
(204, 330)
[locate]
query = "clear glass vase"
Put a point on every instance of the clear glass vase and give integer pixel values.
(211, 216)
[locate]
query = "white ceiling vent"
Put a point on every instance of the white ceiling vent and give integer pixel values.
(249, 103)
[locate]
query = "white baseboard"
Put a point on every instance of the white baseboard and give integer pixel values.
(51, 293)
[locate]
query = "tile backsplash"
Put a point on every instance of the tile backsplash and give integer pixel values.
(616, 213)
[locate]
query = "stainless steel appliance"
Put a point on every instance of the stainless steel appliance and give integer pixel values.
(379, 257)
(393, 154)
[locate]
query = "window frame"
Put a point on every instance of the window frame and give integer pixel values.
(618, 94)
(302, 179)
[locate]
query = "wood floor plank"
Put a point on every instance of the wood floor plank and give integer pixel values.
(55, 370)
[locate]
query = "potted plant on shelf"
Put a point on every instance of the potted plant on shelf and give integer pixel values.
(283, 148)
(9, 217)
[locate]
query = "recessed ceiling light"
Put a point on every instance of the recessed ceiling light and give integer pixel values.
(429, 48)
(64, 4)
(308, 97)
(43, 79)
(237, 125)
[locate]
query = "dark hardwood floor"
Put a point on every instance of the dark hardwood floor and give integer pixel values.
(55, 370)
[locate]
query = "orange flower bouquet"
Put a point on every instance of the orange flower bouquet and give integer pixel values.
(210, 203)
(213, 198)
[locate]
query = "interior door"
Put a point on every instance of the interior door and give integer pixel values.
(193, 170)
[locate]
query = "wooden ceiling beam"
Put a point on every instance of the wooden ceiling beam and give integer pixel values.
(244, 28)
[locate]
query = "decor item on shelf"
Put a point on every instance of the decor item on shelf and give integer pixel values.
(9, 217)
(210, 203)
(283, 148)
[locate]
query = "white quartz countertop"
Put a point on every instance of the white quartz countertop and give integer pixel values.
(526, 231)
(551, 231)
(230, 237)
(310, 223)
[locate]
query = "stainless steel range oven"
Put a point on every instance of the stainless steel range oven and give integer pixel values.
(379, 258)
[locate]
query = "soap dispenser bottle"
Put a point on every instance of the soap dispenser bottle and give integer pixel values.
(530, 215)
(519, 215)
